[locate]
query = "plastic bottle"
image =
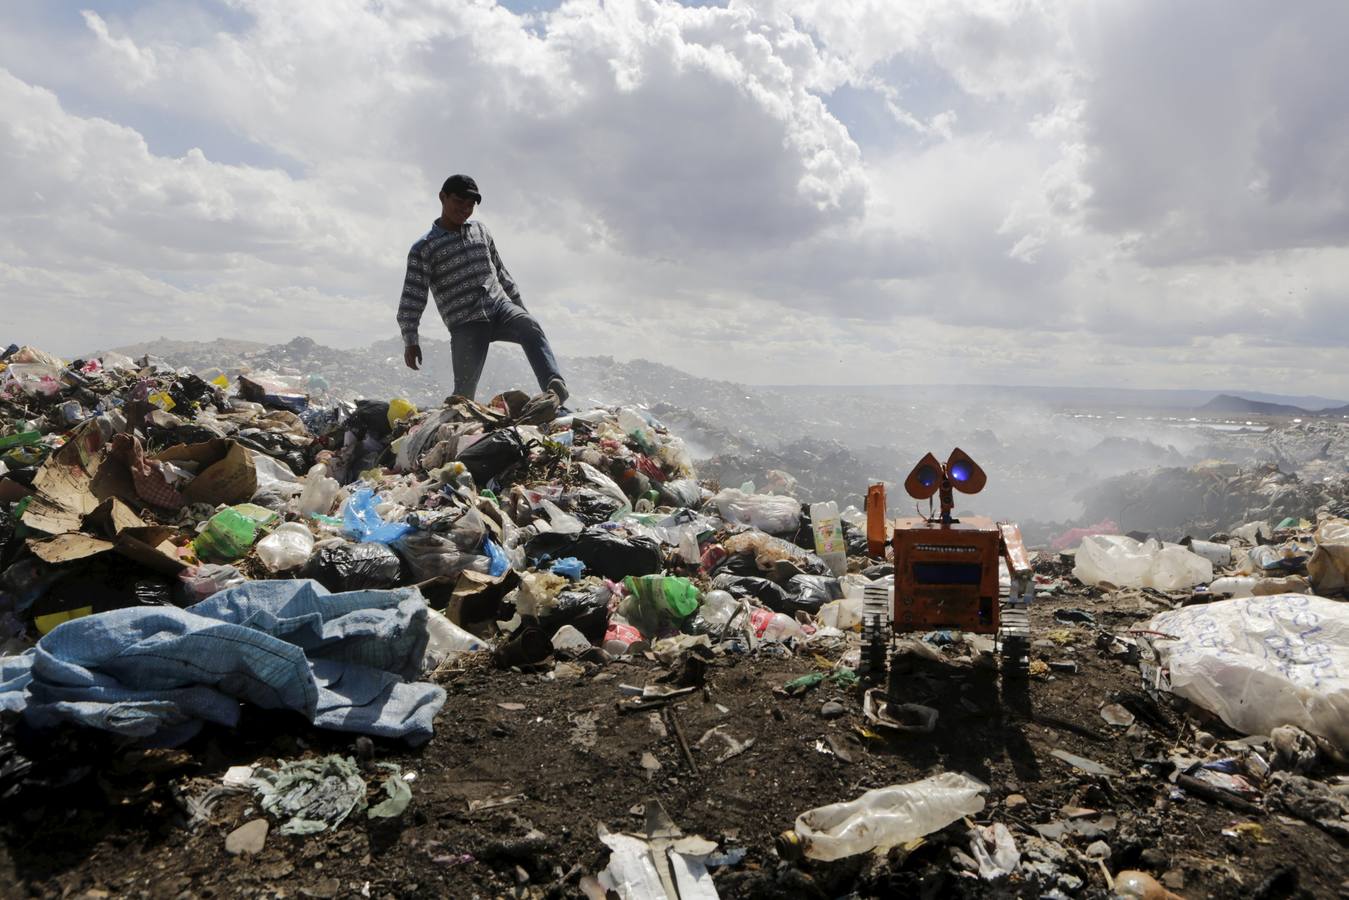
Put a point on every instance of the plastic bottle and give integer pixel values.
(771, 626)
(718, 608)
(1264, 557)
(1234, 586)
(619, 636)
(887, 817)
(286, 548)
(1218, 554)
(447, 640)
(828, 529)
(320, 492)
(226, 537)
(635, 427)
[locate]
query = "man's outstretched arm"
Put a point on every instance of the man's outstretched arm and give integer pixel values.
(410, 307)
(507, 282)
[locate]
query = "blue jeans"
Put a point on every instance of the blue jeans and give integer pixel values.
(510, 323)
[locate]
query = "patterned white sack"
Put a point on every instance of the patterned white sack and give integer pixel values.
(1261, 662)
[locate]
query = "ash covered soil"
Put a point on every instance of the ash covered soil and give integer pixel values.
(525, 765)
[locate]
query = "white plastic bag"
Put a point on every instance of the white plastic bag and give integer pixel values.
(995, 850)
(772, 513)
(1261, 662)
(288, 547)
(889, 816)
(275, 479)
(843, 614)
(446, 640)
(562, 522)
(1329, 566)
(1124, 562)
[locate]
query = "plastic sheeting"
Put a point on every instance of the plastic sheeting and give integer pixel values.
(1124, 562)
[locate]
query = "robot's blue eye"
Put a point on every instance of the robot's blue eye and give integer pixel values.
(960, 471)
(927, 476)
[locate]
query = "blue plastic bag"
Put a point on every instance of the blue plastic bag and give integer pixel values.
(569, 567)
(500, 563)
(363, 522)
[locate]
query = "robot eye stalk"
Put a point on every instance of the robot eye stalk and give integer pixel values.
(959, 471)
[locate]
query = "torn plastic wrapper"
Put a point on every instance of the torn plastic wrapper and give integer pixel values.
(663, 864)
(911, 718)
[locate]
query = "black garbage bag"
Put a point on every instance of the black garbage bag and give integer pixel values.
(6, 536)
(743, 564)
(769, 593)
(491, 456)
(855, 538)
(152, 592)
(804, 535)
(584, 608)
(591, 507)
(370, 418)
(184, 433)
(190, 389)
(23, 475)
(427, 555)
(604, 552)
(810, 592)
(354, 567)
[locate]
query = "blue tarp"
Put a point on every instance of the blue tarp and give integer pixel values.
(343, 661)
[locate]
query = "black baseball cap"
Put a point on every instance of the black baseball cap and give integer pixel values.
(461, 184)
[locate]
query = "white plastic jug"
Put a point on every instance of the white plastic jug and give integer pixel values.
(828, 529)
(1234, 585)
(320, 492)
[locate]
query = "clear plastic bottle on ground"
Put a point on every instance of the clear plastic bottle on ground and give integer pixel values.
(718, 608)
(889, 816)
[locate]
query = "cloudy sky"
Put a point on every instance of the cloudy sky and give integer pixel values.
(785, 191)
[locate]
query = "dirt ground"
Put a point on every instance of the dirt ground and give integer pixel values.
(560, 758)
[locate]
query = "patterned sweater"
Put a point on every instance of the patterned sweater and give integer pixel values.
(461, 268)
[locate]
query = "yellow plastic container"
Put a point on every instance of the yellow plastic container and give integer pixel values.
(400, 409)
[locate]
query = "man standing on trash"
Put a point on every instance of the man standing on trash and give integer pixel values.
(477, 299)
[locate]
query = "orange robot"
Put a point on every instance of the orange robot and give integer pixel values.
(947, 569)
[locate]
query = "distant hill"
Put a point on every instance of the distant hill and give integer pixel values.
(1230, 403)
(165, 347)
(1186, 399)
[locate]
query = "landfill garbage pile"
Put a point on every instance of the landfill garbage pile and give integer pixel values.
(810, 469)
(258, 640)
(716, 409)
(1309, 447)
(1210, 497)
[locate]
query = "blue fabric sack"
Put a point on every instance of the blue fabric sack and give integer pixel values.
(343, 661)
